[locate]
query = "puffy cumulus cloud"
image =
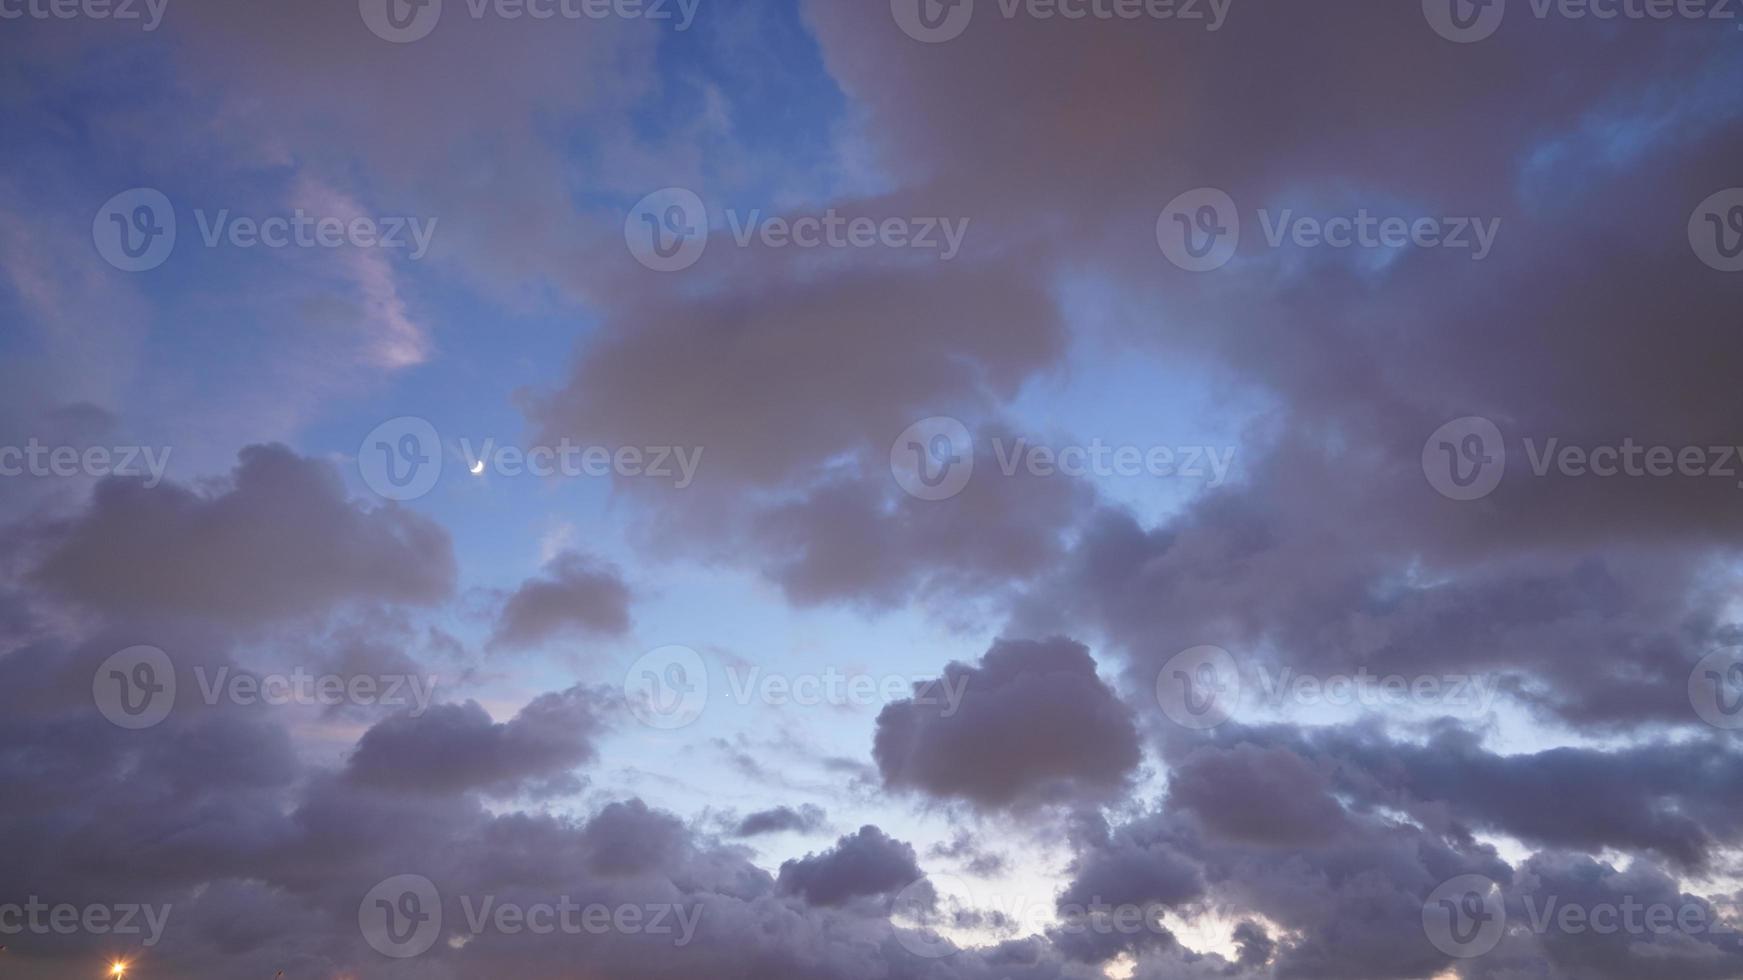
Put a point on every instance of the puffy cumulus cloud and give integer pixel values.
(850, 540)
(785, 373)
(866, 864)
(1257, 795)
(575, 595)
(796, 383)
(1571, 915)
(1347, 906)
(1585, 634)
(807, 818)
(1596, 596)
(277, 539)
(1363, 356)
(454, 748)
(264, 861)
(1333, 839)
(1034, 725)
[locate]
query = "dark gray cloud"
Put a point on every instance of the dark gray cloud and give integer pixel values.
(860, 865)
(1035, 725)
(807, 818)
(967, 851)
(1352, 905)
(278, 538)
(1678, 801)
(576, 595)
(457, 747)
(1256, 795)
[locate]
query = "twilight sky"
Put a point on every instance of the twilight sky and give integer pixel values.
(863, 490)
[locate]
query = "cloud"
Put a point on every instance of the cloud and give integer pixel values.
(577, 595)
(808, 818)
(1035, 725)
(860, 865)
(277, 539)
(1678, 801)
(454, 748)
(1256, 795)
